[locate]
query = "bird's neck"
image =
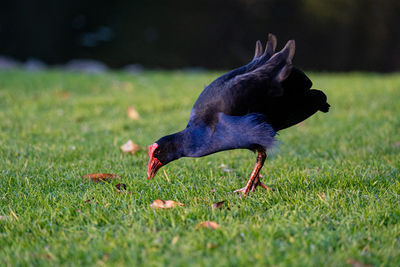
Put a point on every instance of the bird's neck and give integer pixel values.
(177, 147)
(191, 142)
(196, 142)
(201, 140)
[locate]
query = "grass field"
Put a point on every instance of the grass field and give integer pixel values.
(337, 177)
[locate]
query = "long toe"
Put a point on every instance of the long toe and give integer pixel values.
(241, 190)
(257, 183)
(266, 187)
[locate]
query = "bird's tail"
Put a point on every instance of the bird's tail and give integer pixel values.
(319, 100)
(297, 108)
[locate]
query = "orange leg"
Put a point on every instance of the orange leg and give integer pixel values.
(254, 179)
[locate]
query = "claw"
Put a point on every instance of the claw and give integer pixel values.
(252, 187)
(241, 190)
(254, 179)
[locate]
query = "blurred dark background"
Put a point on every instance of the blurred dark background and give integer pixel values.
(339, 35)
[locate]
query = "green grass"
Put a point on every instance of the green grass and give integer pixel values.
(337, 177)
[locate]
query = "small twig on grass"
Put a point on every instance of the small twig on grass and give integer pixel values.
(166, 176)
(13, 213)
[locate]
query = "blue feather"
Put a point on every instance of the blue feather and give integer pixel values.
(230, 132)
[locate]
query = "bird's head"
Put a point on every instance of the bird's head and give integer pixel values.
(165, 150)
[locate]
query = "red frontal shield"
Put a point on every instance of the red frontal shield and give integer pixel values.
(154, 164)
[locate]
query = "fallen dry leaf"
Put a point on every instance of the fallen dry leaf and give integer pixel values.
(218, 205)
(120, 187)
(397, 144)
(211, 245)
(171, 204)
(130, 147)
(132, 113)
(100, 177)
(208, 224)
(158, 204)
(62, 94)
(165, 204)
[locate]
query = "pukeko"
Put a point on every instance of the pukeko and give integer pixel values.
(244, 109)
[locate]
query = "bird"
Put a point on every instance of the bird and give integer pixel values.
(244, 109)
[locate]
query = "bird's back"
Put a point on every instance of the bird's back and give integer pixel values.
(268, 85)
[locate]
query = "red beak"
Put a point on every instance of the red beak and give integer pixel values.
(154, 164)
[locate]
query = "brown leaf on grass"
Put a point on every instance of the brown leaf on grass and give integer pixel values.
(158, 204)
(171, 204)
(121, 188)
(165, 204)
(211, 245)
(218, 205)
(65, 94)
(397, 144)
(100, 177)
(356, 263)
(208, 224)
(130, 147)
(132, 113)
(62, 94)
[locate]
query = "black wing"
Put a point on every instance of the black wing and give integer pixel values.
(271, 87)
(260, 58)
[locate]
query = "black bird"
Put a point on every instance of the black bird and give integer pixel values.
(244, 109)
